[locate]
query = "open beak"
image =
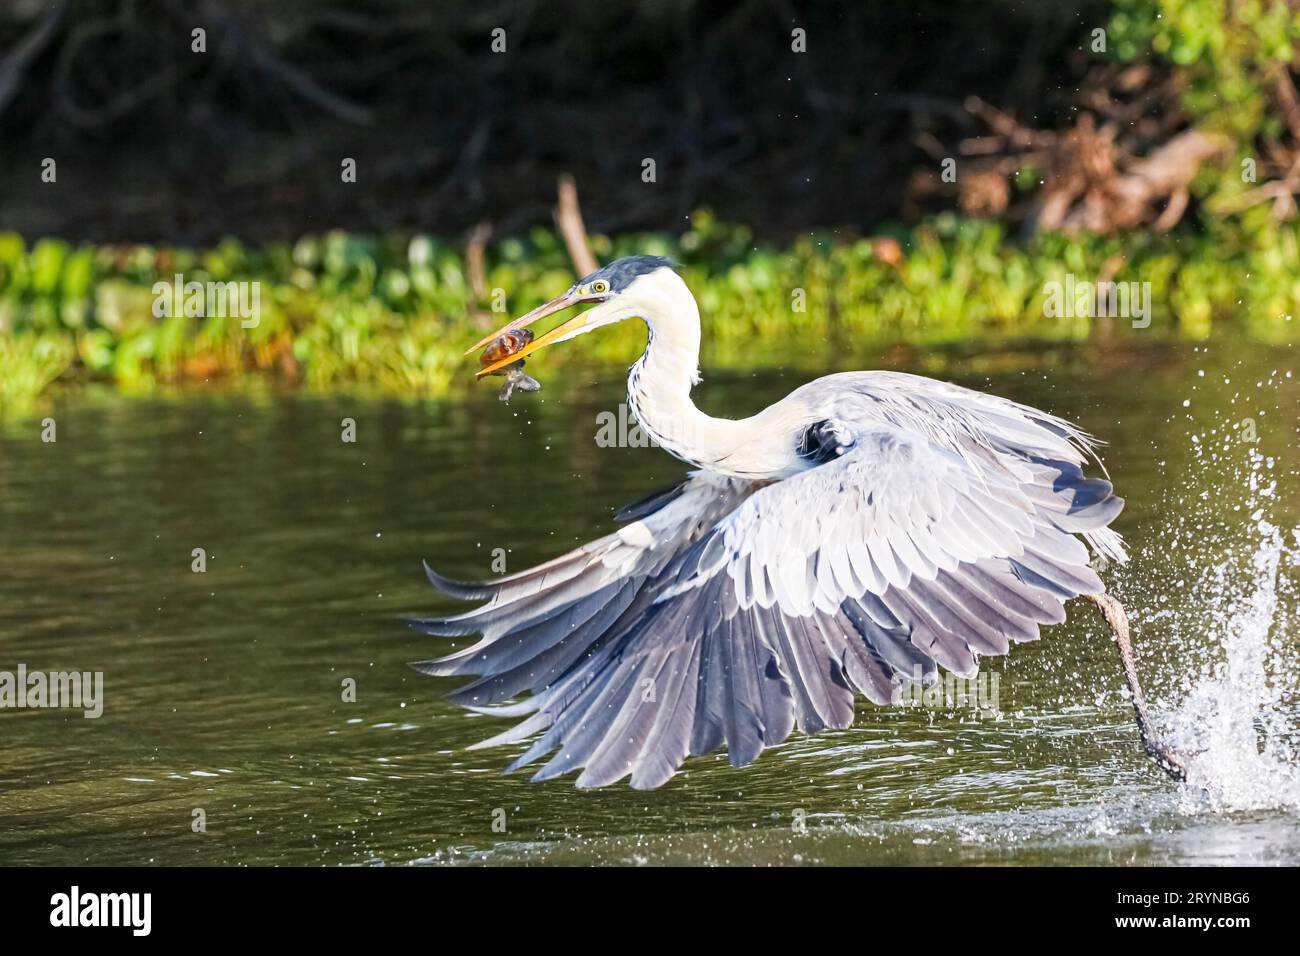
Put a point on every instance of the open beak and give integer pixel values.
(562, 330)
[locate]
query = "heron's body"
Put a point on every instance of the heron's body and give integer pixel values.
(850, 538)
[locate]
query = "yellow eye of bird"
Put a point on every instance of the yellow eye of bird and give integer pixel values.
(599, 286)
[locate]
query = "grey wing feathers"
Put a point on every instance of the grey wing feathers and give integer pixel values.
(729, 611)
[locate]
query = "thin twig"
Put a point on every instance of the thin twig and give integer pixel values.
(25, 51)
(1287, 97)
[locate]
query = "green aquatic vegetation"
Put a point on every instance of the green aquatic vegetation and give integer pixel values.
(29, 364)
(394, 313)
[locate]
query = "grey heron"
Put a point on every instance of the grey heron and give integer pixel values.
(857, 535)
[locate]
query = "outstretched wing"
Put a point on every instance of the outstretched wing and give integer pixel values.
(542, 624)
(738, 610)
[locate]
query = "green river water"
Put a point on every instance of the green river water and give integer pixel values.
(223, 689)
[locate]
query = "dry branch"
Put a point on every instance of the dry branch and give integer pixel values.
(568, 219)
(1124, 164)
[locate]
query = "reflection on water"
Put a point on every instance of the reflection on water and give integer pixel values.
(224, 690)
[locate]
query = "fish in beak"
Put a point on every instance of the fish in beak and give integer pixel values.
(504, 348)
(562, 331)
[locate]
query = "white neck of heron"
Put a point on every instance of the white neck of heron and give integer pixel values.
(659, 393)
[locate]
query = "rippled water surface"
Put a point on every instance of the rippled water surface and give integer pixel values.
(223, 690)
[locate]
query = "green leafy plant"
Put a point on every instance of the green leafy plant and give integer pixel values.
(394, 313)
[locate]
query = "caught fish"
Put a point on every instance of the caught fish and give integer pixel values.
(502, 347)
(516, 379)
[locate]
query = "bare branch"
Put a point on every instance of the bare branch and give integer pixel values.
(568, 219)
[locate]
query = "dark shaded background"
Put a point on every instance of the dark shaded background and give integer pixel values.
(156, 143)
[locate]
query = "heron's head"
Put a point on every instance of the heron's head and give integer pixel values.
(618, 292)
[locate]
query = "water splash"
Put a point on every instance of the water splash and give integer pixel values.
(1224, 606)
(1239, 720)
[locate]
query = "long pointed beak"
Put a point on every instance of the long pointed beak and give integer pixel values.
(542, 311)
(563, 330)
